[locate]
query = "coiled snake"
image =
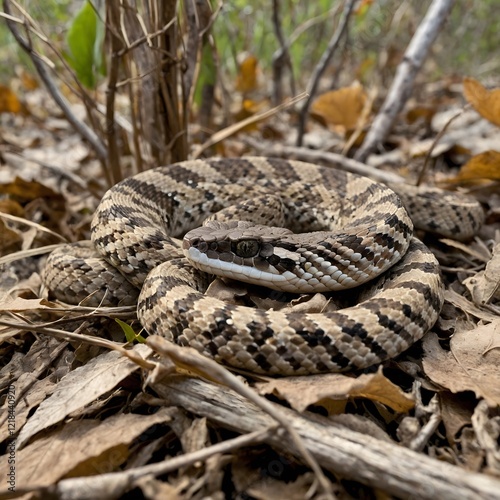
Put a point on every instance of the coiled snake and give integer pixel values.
(357, 229)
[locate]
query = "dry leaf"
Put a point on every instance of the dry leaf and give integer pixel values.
(250, 108)
(21, 305)
(423, 113)
(246, 81)
(9, 239)
(81, 448)
(79, 388)
(11, 207)
(460, 302)
(29, 81)
(322, 390)
(341, 108)
(27, 190)
(9, 103)
(456, 411)
(484, 166)
(486, 284)
(34, 395)
(485, 102)
(253, 481)
(470, 365)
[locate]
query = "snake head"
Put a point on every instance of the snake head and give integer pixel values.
(239, 250)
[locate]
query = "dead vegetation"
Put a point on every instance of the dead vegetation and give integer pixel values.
(84, 415)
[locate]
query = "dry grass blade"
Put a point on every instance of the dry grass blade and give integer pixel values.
(233, 129)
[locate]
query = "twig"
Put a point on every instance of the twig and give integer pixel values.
(324, 157)
(191, 360)
(45, 76)
(383, 465)
(321, 67)
(281, 59)
(425, 166)
(198, 20)
(405, 75)
(419, 442)
(88, 488)
(116, 42)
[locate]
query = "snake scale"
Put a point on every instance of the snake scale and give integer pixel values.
(339, 230)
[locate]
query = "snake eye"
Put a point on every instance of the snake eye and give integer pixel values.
(247, 248)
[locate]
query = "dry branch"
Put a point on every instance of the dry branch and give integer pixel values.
(334, 160)
(25, 43)
(390, 467)
(402, 85)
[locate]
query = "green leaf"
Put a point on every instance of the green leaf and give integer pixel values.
(130, 335)
(208, 73)
(85, 43)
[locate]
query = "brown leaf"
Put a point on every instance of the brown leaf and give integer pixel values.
(81, 448)
(79, 388)
(27, 190)
(323, 390)
(485, 102)
(456, 411)
(29, 81)
(250, 108)
(484, 166)
(470, 365)
(246, 81)
(11, 207)
(423, 113)
(9, 239)
(486, 284)
(9, 103)
(342, 108)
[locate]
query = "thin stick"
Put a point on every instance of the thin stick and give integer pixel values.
(117, 44)
(324, 157)
(321, 67)
(402, 85)
(87, 133)
(281, 59)
(120, 482)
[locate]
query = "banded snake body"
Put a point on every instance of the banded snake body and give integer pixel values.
(357, 231)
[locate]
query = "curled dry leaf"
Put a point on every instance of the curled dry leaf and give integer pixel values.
(485, 102)
(486, 284)
(324, 390)
(470, 365)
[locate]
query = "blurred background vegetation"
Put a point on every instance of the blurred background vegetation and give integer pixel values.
(378, 35)
(180, 71)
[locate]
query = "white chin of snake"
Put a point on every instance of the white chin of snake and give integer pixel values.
(284, 281)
